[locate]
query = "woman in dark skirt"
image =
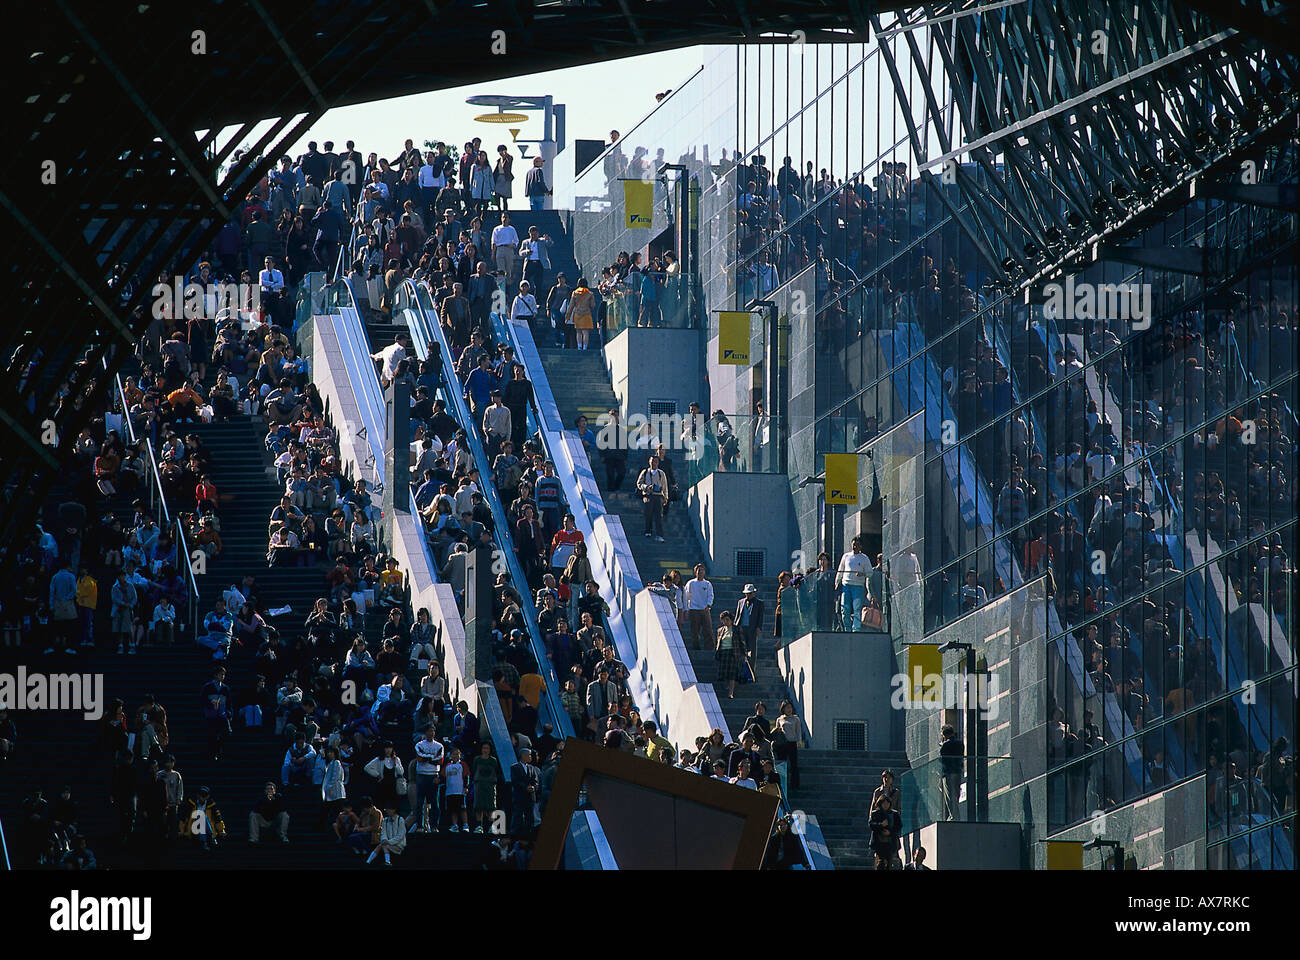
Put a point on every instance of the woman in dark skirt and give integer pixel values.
(729, 650)
(387, 769)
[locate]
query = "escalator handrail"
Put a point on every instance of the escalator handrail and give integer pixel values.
(432, 335)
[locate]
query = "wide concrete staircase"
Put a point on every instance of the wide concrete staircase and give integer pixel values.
(550, 223)
(836, 787)
(64, 748)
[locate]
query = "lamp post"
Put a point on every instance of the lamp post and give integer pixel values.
(679, 221)
(972, 724)
(774, 387)
(553, 132)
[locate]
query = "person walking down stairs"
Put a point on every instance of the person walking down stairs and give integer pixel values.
(699, 607)
(652, 482)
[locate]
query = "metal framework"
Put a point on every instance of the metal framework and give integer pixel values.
(124, 154)
(121, 114)
(1075, 121)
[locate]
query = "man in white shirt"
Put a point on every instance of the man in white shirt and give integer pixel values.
(742, 777)
(699, 604)
(535, 251)
(496, 424)
(392, 355)
(428, 763)
(851, 578)
(505, 243)
(431, 180)
(271, 279)
(164, 621)
(378, 186)
(1100, 463)
(972, 594)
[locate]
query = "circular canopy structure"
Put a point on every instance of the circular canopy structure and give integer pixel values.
(502, 117)
(506, 102)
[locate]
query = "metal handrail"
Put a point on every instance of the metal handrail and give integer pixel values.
(182, 543)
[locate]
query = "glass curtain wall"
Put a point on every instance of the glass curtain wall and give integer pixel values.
(1108, 449)
(1123, 444)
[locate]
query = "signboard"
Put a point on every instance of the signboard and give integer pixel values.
(842, 478)
(923, 661)
(638, 203)
(733, 337)
(1065, 855)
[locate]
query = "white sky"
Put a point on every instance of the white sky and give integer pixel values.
(598, 97)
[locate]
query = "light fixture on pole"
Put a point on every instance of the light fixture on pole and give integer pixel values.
(972, 720)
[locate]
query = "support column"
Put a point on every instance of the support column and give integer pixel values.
(396, 470)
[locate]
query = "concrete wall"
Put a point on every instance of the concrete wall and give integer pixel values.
(844, 676)
(647, 364)
(686, 709)
(1165, 831)
(958, 845)
(743, 511)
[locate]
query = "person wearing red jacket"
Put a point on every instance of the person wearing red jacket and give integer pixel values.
(205, 495)
(562, 544)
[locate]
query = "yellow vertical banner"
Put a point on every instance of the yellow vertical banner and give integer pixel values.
(733, 337)
(842, 478)
(638, 203)
(1065, 855)
(923, 662)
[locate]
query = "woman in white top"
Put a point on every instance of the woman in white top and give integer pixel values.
(164, 620)
(524, 307)
(787, 734)
(392, 837)
(333, 786)
(363, 534)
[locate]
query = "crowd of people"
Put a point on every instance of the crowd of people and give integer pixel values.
(1076, 474)
(1073, 475)
(368, 726)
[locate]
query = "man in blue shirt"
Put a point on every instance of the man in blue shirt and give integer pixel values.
(218, 625)
(329, 233)
(428, 490)
(479, 386)
(63, 606)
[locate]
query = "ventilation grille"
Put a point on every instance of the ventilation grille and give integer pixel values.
(751, 563)
(662, 408)
(851, 735)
